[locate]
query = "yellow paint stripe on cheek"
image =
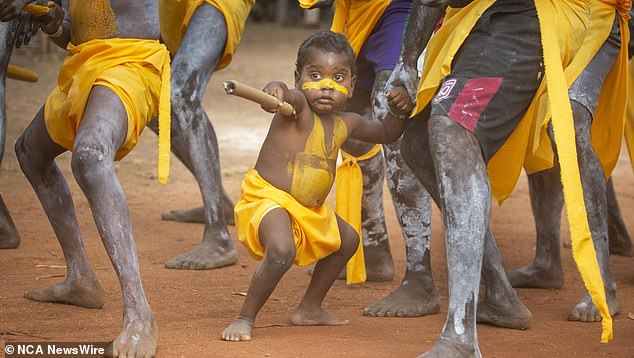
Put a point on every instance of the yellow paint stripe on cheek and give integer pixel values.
(325, 83)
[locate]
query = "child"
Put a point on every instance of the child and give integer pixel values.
(282, 217)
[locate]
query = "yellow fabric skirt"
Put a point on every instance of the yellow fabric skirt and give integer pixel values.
(136, 70)
(315, 230)
(176, 14)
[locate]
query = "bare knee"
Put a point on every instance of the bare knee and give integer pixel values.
(280, 253)
(349, 240)
(28, 159)
(89, 162)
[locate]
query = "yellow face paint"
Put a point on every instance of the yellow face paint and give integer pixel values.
(325, 83)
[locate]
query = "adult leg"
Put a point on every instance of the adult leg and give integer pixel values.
(36, 154)
(547, 201)
(416, 296)
(309, 311)
(276, 237)
(595, 197)
(618, 237)
(376, 247)
(501, 306)
(102, 131)
(195, 61)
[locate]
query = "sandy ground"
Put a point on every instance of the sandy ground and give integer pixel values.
(192, 307)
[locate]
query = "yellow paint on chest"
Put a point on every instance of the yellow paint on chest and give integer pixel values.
(91, 19)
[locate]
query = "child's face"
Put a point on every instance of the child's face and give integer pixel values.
(326, 81)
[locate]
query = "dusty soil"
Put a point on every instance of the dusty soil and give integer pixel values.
(192, 307)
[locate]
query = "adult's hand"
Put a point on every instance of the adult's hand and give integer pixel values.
(10, 9)
(404, 75)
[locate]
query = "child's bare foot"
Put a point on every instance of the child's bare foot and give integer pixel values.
(238, 330)
(320, 317)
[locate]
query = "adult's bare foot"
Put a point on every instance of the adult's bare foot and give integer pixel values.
(83, 293)
(533, 276)
(204, 256)
(445, 348)
(413, 298)
(586, 311)
(239, 330)
(138, 338)
(319, 317)
(508, 314)
(197, 215)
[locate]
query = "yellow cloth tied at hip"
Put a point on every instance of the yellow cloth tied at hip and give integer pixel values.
(137, 70)
(175, 16)
(349, 185)
(356, 19)
(608, 122)
(315, 230)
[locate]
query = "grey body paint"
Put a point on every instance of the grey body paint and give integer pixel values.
(193, 138)
(9, 237)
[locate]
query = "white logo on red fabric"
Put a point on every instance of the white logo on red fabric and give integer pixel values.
(445, 90)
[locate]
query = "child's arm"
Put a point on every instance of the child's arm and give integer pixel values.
(384, 130)
(280, 91)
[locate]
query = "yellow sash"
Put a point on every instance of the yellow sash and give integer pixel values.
(176, 14)
(356, 19)
(349, 184)
(629, 121)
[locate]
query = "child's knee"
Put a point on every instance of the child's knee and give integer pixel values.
(349, 241)
(280, 254)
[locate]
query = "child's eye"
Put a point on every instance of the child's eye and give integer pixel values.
(338, 78)
(315, 75)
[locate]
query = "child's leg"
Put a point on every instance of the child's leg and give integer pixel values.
(36, 153)
(309, 311)
(276, 237)
(102, 131)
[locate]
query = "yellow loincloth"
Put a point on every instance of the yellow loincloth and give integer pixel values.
(629, 121)
(315, 230)
(356, 19)
(138, 71)
(176, 14)
(563, 26)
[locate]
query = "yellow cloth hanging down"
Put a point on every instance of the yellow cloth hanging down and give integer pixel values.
(137, 70)
(356, 19)
(563, 25)
(629, 121)
(176, 14)
(348, 205)
(608, 123)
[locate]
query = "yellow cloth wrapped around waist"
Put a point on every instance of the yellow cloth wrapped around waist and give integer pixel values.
(138, 71)
(356, 19)
(629, 120)
(348, 206)
(176, 14)
(563, 25)
(608, 122)
(315, 230)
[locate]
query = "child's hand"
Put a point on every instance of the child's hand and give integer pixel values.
(277, 90)
(400, 103)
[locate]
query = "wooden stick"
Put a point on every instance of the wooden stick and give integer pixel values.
(22, 74)
(37, 10)
(257, 96)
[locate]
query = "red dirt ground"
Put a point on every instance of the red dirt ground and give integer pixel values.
(192, 307)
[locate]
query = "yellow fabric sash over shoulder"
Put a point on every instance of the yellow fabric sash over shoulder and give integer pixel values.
(629, 120)
(137, 70)
(356, 19)
(608, 122)
(176, 14)
(315, 230)
(563, 25)
(349, 184)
